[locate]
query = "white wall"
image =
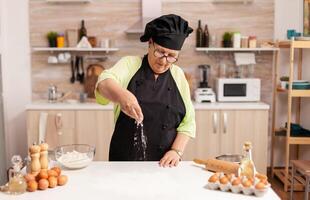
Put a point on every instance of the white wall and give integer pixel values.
(16, 73)
(290, 20)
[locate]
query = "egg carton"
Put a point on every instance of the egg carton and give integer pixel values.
(239, 188)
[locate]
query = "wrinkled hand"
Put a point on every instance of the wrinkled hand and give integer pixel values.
(170, 159)
(130, 106)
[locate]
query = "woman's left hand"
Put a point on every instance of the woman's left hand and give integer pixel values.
(170, 159)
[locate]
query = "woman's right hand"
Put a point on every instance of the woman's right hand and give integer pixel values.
(130, 106)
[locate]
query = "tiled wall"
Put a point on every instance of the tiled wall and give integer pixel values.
(110, 19)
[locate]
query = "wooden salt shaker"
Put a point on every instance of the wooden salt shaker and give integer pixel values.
(34, 151)
(44, 155)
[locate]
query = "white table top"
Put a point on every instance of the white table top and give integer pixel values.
(134, 181)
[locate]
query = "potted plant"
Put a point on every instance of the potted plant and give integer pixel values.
(227, 39)
(52, 38)
(284, 80)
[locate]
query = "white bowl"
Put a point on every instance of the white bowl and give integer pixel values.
(75, 156)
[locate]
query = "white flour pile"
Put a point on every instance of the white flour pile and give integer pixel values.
(74, 160)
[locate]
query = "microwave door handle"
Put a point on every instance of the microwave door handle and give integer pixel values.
(225, 122)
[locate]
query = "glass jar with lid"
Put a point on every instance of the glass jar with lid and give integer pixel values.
(252, 42)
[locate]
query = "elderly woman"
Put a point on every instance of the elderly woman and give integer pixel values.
(152, 90)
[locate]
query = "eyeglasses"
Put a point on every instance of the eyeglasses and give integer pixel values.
(160, 54)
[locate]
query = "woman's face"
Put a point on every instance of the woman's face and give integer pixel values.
(161, 58)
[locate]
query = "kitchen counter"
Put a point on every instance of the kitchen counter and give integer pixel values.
(198, 106)
(136, 180)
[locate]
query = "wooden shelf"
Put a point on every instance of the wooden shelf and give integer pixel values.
(297, 44)
(299, 181)
(68, 1)
(299, 140)
(207, 49)
(291, 93)
(73, 49)
(296, 93)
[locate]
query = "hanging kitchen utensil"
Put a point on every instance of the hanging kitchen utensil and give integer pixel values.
(77, 63)
(82, 70)
(72, 79)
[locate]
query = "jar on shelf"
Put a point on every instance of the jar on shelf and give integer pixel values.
(244, 42)
(236, 40)
(61, 40)
(252, 42)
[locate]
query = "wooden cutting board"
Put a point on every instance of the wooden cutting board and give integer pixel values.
(92, 73)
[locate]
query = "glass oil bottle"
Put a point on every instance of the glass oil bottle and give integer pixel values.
(247, 167)
(17, 184)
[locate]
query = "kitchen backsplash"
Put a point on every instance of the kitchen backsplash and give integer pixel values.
(110, 19)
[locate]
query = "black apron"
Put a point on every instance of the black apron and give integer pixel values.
(163, 110)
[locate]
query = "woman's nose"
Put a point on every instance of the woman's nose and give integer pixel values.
(163, 60)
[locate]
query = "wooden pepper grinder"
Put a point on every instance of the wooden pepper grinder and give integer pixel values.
(34, 151)
(44, 155)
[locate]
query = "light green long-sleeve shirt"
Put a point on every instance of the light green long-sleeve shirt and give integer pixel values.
(123, 71)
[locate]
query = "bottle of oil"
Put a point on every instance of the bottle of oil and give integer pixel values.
(247, 167)
(199, 35)
(17, 184)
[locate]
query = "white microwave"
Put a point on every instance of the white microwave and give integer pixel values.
(238, 89)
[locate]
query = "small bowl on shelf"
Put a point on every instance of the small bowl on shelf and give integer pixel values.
(75, 156)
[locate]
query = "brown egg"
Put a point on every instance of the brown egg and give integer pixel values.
(229, 176)
(260, 186)
(43, 184)
(265, 181)
(261, 176)
(57, 169)
(237, 181)
(52, 181)
(213, 178)
(29, 177)
(32, 186)
(62, 180)
(43, 174)
(247, 183)
(52, 173)
(252, 180)
(224, 180)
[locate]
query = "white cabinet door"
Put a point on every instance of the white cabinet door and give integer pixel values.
(225, 131)
(206, 143)
(252, 125)
(95, 128)
(60, 127)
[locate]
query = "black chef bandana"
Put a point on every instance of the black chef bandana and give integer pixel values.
(168, 31)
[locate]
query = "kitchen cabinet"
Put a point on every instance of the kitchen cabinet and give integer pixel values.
(95, 128)
(224, 132)
(73, 126)
(59, 129)
(222, 128)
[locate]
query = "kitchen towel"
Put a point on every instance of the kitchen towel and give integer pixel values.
(244, 58)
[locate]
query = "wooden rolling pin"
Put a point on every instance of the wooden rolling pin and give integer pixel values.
(219, 166)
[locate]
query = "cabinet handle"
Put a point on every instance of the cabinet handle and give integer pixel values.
(225, 122)
(58, 123)
(215, 122)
